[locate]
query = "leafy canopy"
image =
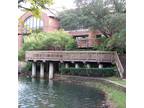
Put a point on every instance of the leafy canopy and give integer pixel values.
(34, 6)
(57, 40)
(115, 43)
(106, 15)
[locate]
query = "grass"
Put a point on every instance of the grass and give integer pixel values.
(117, 97)
(118, 80)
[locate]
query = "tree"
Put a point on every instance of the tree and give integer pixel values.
(115, 43)
(35, 6)
(118, 42)
(111, 24)
(58, 40)
(72, 19)
(106, 15)
(112, 5)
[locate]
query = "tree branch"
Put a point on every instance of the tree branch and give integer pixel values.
(19, 6)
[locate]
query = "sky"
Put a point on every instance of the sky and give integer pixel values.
(63, 3)
(58, 5)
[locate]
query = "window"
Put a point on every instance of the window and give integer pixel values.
(83, 37)
(32, 24)
(98, 36)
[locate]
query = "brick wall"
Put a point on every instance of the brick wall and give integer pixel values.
(51, 24)
(92, 40)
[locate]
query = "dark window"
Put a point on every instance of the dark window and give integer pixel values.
(98, 36)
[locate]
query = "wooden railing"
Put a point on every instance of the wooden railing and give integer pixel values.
(83, 56)
(77, 30)
(118, 64)
(76, 56)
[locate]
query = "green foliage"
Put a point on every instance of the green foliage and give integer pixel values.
(27, 67)
(115, 43)
(111, 5)
(35, 5)
(107, 16)
(118, 42)
(21, 55)
(71, 19)
(114, 95)
(112, 23)
(104, 72)
(57, 40)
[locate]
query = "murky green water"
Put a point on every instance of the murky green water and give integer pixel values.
(34, 93)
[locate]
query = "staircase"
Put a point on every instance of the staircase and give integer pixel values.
(119, 65)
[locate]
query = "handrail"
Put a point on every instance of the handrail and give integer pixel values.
(76, 56)
(77, 30)
(83, 56)
(118, 64)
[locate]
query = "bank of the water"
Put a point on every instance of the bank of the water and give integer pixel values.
(118, 80)
(116, 97)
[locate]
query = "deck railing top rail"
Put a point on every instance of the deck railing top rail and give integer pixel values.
(77, 30)
(76, 56)
(81, 56)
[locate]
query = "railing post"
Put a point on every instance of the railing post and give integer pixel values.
(66, 65)
(100, 66)
(88, 65)
(76, 65)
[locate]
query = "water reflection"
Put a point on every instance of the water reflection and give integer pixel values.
(35, 93)
(33, 80)
(50, 83)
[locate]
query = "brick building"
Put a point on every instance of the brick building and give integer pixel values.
(27, 22)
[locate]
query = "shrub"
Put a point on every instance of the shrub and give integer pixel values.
(104, 72)
(27, 67)
(115, 43)
(57, 40)
(21, 55)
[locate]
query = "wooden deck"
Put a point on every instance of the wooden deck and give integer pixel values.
(80, 56)
(76, 56)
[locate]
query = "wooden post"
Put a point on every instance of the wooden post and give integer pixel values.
(66, 65)
(100, 66)
(88, 65)
(76, 65)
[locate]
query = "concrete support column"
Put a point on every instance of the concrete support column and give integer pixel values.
(66, 65)
(100, 66)
(41, 70)
(51, 70)
(33, 69)
(76, 65)
(88, 65)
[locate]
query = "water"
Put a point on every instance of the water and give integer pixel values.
(34, 93)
